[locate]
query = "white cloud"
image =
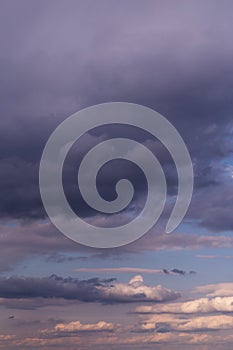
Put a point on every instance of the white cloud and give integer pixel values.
(77, 326)
(219, 289)
(202, 305)
(135, 290)
(185, 316)
(206, 322)
(171, 322)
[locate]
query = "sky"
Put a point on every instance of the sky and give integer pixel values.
(164, 290)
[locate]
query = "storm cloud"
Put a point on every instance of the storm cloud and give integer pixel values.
(146, 58)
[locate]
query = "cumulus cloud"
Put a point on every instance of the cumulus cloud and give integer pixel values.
(135, 290)
(77, 326)
(99, 341)
(198, 315)
(202, 305)
(207, 322)
(91, 290)
(167, 323)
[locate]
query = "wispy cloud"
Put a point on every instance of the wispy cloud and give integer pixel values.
(218, 289)
(214, 256)
(133, 270)
(35, 237)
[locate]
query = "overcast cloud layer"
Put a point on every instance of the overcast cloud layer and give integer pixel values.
(162, 291)
(174, 58)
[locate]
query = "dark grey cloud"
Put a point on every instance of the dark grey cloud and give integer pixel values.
(38, 239)
(178, 272)
(57, 58)
(20, 242)
(52, 287)
(90, 290)
(61, 258)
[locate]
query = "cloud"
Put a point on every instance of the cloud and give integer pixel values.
(155, 240)
(162, 341)
(77, 326)
(58, 57)
(218, 289)
(49, 75)
(207, 323)
(42, 238)
(178, 271)
(201, 256)
(135, 290)
(133, 270)
(182, 326)
(52, 287)
(198, 315)
(31, 238)
(91, 290)
(169, 323)
(33, 303)
(202, 305)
